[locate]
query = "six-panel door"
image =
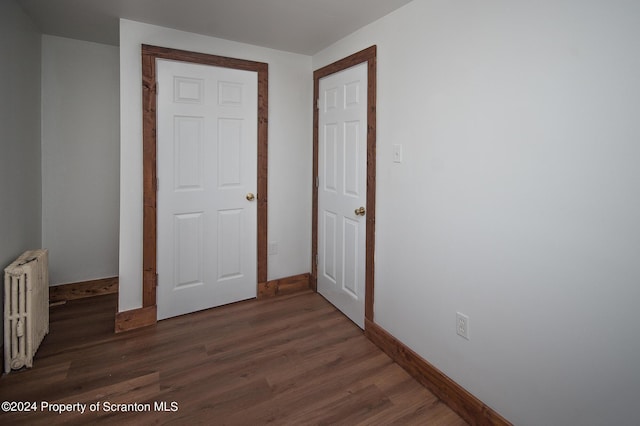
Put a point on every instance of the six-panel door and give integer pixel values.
(342, 190)
(207, 156)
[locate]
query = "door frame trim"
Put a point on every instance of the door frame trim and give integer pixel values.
(368, 55)
(149, 157)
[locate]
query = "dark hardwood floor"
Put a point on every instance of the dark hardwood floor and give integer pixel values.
(291, 360)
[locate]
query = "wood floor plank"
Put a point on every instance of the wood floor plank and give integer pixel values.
(288, 360)
(305, 394)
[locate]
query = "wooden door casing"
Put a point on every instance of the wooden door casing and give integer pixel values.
(146, 315)
(368, 55)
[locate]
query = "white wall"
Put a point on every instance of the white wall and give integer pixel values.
(517, 202)
(80, 159)
(20, 184)
(290, 150)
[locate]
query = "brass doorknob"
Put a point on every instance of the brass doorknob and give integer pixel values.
(251, 197)
(360, 211)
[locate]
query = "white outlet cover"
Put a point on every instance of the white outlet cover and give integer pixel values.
(462, 325)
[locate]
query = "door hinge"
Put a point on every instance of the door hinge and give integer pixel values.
(156, 283)
(316, 259)
(318, 103)
(157, 184)
(317, 182)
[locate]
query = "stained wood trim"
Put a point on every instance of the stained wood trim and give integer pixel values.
(149, 142)
(80, 290)
(284, 286)
(369, 56)
(135, 318)
(470, 408)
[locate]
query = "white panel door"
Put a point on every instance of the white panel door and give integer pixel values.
(207, 164)
(342, 189)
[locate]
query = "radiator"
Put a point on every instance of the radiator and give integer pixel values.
(26, 308)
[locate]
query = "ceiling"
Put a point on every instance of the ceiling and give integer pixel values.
(300, 26)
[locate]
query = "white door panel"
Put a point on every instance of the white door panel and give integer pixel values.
(207, 163)
(342, 127)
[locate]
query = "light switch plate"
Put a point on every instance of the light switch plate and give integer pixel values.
(273, 248)
(397, 153)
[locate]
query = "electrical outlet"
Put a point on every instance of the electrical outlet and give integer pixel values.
(462, 325)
